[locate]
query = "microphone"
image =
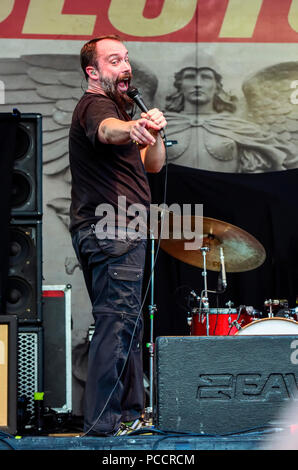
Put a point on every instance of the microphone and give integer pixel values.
(223, 269)
(134, 94)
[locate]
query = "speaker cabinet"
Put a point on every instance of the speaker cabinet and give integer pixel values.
(24, 284)
(224, 384)
(26, 196)
(8, 373)
(21, 209)
(8, 130)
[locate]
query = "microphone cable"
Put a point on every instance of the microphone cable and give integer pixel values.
(163, 135)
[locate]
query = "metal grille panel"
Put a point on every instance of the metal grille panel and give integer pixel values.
(28, 366)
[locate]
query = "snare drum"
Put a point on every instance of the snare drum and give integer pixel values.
(270, 326)
(222, 321)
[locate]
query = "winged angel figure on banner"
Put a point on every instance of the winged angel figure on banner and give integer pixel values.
(215, 132)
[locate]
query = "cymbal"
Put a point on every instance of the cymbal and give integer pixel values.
(242, 252)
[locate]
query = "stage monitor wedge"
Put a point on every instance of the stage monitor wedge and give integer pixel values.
(225, 384)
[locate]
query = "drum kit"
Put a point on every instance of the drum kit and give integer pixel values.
(227, 248)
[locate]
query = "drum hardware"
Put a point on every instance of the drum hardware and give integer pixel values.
(189, 318)
(230, 304)
(238, 325)
(253, 312)
(277, 308)
(291, 313)
(204, 301)
(204, 298)
(269, 304)
(235, 322)
(231, 323)
(194, 299)
(195, 296)
(294, 313)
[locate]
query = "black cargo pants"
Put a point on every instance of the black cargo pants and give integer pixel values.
(113, 271)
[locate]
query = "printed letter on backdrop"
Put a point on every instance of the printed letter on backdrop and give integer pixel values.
(174, 16)
(44, 17)
(6, 7)
(240, 19)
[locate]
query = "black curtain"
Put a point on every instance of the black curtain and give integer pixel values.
(8, 132)
(265, 205)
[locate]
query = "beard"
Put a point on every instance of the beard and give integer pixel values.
(109, 86)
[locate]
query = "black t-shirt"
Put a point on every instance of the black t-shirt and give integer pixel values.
(102, 172)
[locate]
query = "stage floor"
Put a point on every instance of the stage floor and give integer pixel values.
(152, 441)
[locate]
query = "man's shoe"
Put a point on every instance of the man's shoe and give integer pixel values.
(127, 428)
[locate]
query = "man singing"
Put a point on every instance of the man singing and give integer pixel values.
(109, 156)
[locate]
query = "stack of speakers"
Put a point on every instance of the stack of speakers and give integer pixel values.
(25, 235)
(21, 240)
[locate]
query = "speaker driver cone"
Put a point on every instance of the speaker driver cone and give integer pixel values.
(21, 247)
(21, 189)
(19, 296)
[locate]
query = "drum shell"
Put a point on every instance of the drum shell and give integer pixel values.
(220, 322)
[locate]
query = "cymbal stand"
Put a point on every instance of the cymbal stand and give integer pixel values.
(270, 303)
(204, 296)
(152, 309)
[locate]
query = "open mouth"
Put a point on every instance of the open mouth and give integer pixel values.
(123, 84)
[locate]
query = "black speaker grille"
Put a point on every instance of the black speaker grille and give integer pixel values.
(21, 189)
(19, 297)
(24, 283)
(23, 142)
(21, 246)
(26, 196)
